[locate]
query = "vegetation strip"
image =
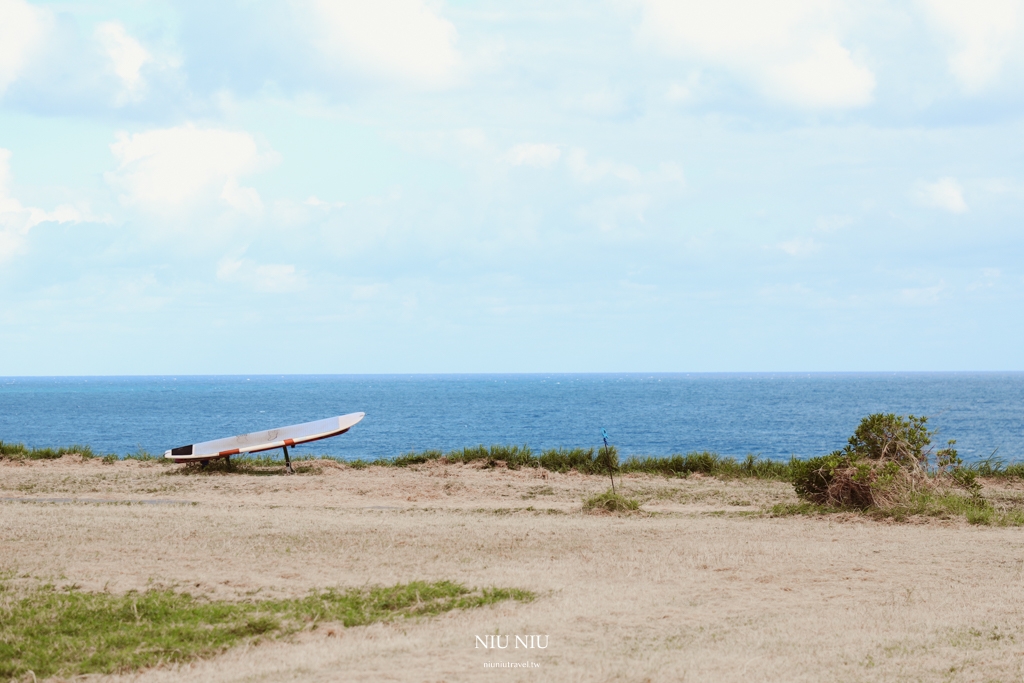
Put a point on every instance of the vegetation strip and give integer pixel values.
(582, 460)
(974, 509)
(53, 632)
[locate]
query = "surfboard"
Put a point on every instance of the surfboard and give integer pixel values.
(282, 437)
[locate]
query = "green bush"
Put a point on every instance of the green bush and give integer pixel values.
(883, 465)
(885, 437)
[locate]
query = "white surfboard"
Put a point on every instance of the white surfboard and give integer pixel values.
(282, 437)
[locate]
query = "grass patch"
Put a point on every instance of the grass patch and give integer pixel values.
(18, 451)
(948, 505)
(53, 632)
(142, 455)
(711, 464)
(939, 505)
(589, 461)
(997, 468)
(804, 508)
(611, 502)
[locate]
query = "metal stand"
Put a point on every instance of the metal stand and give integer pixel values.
(287, 462)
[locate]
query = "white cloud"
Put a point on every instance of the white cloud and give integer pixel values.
(270, 277)
(533, 154)
(315, 201)
(683, 92)
(404, 40)
(670, 173)
(984, 32)
(583, 170)
(826, 77)
(922, 296)
(16, 219)
(678, 93)
(989, 277)
(832, 223)
(788, 48)
(610, 213)
(587, 172)
(22, 27)
(175, 167)
(368, 292)
(127, 56)
(944, 193)
(602, 102)
(799, 247)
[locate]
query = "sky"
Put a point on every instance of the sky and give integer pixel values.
(410, 186)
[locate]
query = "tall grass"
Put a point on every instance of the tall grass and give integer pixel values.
(18, 451)
(711, 464)
(997, 468)
(582, 460)
(588, 461)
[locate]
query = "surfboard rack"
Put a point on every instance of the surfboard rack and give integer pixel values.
(287, 462)
(272, 439)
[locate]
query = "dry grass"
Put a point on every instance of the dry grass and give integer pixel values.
(703, 588)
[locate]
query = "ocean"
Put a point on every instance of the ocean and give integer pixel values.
(774, 415)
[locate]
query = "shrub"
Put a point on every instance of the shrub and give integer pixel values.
(884, 464)
(892, 438)
(611, 502)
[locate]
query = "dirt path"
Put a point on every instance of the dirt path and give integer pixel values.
(705, 589)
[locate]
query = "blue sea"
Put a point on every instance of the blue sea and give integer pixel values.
(770, 415)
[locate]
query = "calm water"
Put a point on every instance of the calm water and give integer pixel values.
(774, 415)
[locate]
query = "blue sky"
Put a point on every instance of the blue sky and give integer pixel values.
(416, 186)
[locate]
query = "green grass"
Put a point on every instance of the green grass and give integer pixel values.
(583, 460)
(611, 502)
(145, 456)
(586, 461)
(711, 464)
(53, 632)
(997, 468)
(975, 509)
(18, 451)
(803, 508)
(940, 505)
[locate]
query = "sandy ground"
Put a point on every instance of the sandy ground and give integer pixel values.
(703, 587)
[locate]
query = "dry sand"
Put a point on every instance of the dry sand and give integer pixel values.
(703, 588)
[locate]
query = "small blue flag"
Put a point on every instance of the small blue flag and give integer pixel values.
(604, 435)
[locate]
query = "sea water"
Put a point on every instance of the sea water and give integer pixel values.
(770, 415)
